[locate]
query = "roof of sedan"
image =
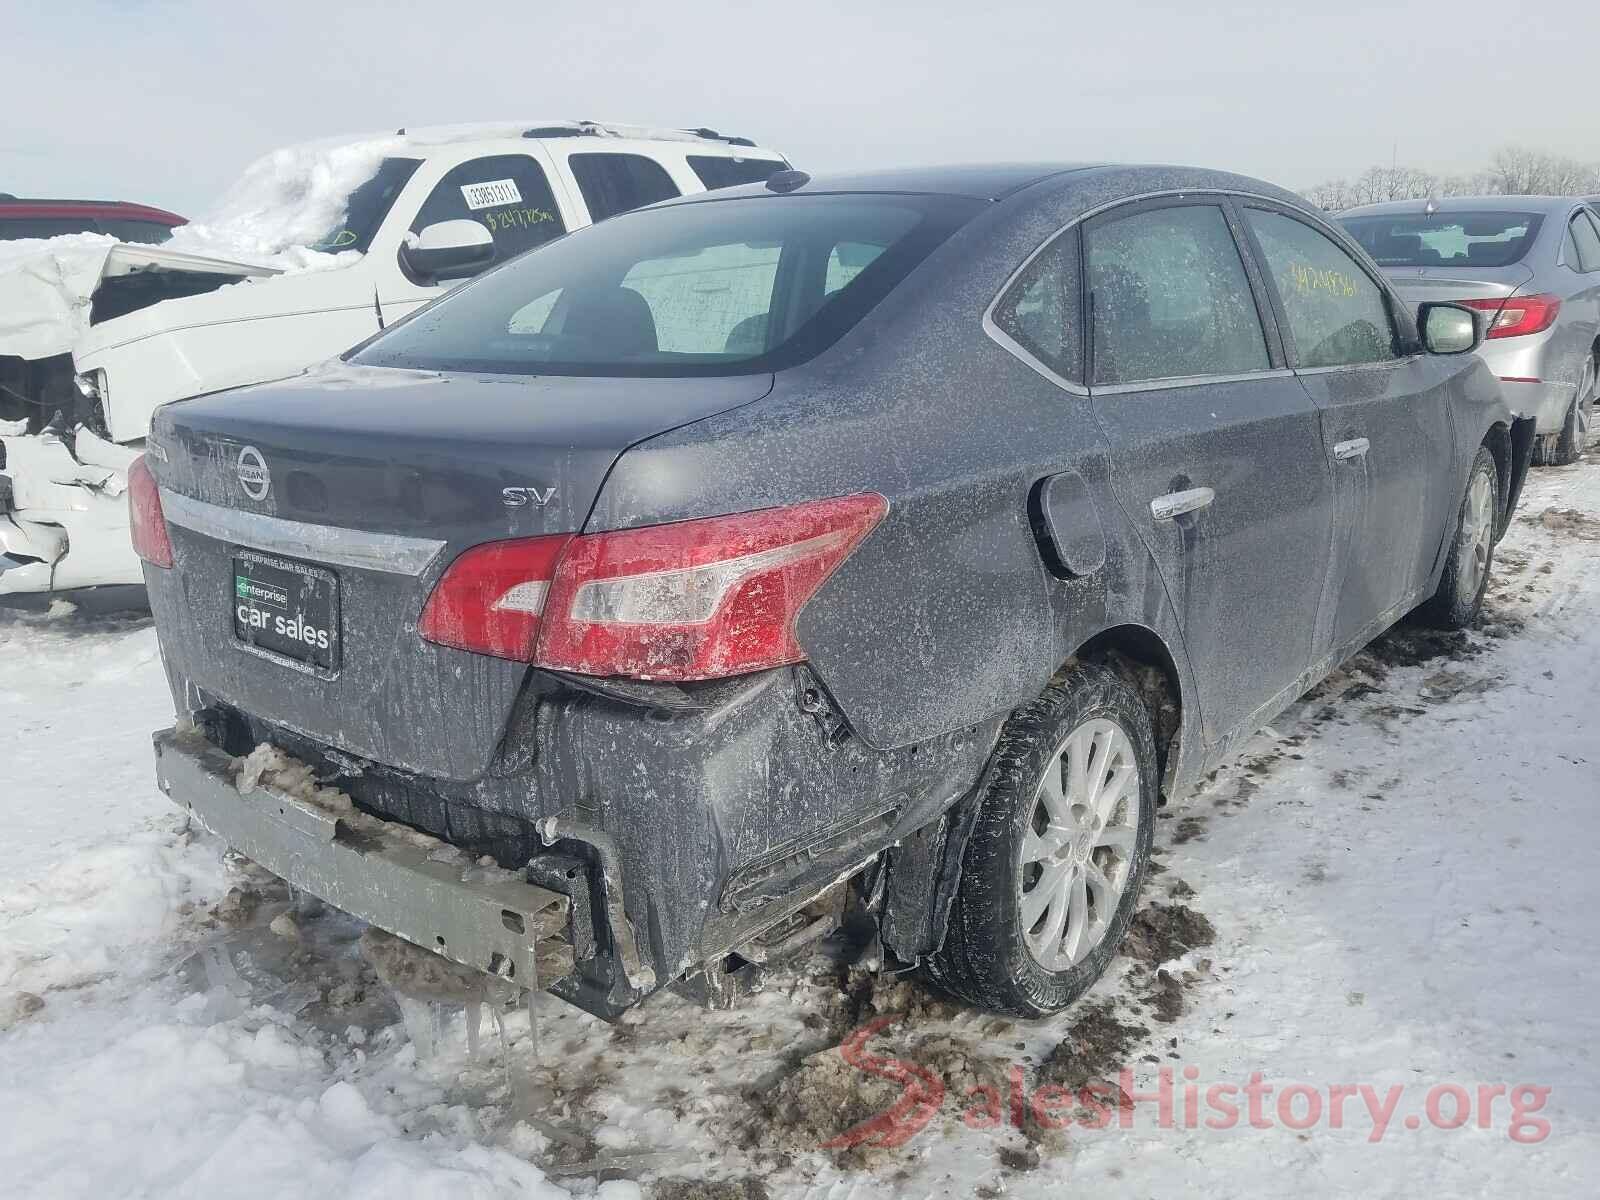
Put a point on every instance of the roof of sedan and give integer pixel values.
(981, 181)
(1457, 204)
(997, 181)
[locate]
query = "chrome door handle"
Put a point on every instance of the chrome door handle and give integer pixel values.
(1354, 448)
(1175, 504)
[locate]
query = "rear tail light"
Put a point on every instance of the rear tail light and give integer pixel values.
(148, 523)
(700, 599)
(1517, 315)
(491, 597)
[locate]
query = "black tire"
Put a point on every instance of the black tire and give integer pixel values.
(1455, 605)
(985, 960)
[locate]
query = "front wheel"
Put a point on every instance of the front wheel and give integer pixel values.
(1059, 849)
(1466, 570)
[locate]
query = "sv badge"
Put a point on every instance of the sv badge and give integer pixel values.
(521, 497)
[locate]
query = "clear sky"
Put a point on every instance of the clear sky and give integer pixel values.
(165, 100)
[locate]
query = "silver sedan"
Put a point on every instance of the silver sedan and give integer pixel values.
(1531, 265)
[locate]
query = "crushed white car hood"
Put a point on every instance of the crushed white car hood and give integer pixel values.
(47, 286)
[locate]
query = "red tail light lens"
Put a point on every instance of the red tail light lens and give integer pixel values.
(1517, 315)
(698, 599)
(490, 599)
(145, 518)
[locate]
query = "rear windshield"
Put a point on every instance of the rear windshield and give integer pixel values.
(148, 232)
(1460, 239)
(17, 228)
(711, 288)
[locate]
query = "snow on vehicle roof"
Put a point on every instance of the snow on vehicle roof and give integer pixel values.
(282, 204)
(288, 199)
(285, 201)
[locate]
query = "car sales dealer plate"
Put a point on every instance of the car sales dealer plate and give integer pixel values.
(287, 609)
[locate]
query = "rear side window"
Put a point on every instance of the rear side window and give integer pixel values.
(717, 171)
(1170, 298)
(17, 228)
(1587, 243)
(1337, 315)
(616, 183)
(1040, 311)
(709, 288)
(507, 194)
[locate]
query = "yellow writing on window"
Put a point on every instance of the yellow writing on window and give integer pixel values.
(516, 218)
(1316, 279)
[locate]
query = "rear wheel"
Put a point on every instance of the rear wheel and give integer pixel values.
(1567, 447)
(1059, 850)
(1466, 570)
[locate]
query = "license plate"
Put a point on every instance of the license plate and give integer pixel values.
(286, 608)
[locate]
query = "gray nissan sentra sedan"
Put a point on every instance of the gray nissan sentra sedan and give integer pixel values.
(866, 551)
(1531, 264)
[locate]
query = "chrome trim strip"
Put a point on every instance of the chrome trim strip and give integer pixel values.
(1018, 351)
(1187, 381)
(391, 553)
(1384, 364)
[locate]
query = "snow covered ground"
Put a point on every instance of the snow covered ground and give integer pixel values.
(1394, 889)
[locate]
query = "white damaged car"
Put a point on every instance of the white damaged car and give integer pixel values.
(314, 250)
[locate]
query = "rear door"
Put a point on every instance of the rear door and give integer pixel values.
(1217, 450)
(1385, 420)
(1579, 319)
(617, 183)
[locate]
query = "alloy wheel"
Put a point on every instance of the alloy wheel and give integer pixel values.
(1077, 848)
(1477, 534)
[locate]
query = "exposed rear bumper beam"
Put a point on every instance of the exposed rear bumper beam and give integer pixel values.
(397, 881)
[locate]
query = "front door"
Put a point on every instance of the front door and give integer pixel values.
(1385, 416)
(510, 195)
(1217, 450)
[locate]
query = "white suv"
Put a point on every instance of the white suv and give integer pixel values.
(436, 206)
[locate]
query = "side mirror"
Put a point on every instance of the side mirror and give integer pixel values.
(1449, 328)
(446, 250)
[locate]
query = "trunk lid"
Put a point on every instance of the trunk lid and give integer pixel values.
(335, 501)
(1422, 285)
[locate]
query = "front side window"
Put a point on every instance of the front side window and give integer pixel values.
(1337, 315)
(717, 171)
(507, 194)
(1040, 311)
(711, 288)
(1169, 297)
(616, 183)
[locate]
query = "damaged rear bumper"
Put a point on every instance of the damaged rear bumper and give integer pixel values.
(425, 891)
(63, 513)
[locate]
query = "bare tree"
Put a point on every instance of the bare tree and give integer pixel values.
(1519, 171)
(1513, 171)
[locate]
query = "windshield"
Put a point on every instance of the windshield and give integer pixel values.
(1460, 239)
(709, 288)
(367, 206)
